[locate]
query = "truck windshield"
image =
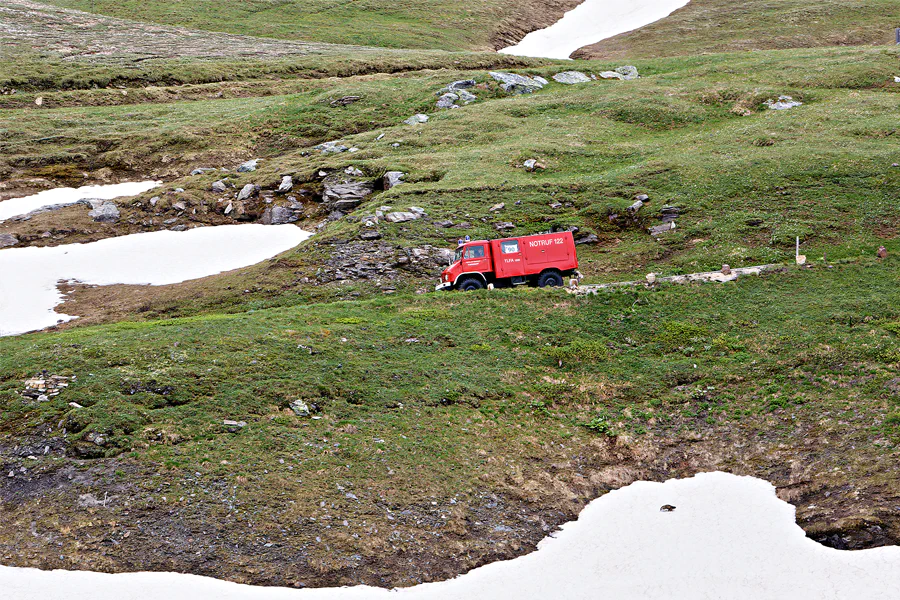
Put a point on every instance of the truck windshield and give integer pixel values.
(458, 256)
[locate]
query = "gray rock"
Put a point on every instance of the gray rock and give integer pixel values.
(300, 408)
(628, 72)
(611, 75)
(660, 229)
(370, 234)
(331, 148)
(219, 187)
(286, 185)
(282, 215)
(416, 119)
(392, 178)
(233, 426)
(201, 171)
(504, 226)
(154, 200)
(401, 217)
(343, 193)
(532, 165)
(8, 239)
(540, 80)
(179, 206)
(571, 77)
(462, 84)
(181, 227)
(106, 213)
(419, 211)
(353, 171)
(251, 190)
(783, 103)
(588, 239)
(444, 224)
(248, 166)
(516, 84)
(497, 207)
(448, 100)
(467, 97)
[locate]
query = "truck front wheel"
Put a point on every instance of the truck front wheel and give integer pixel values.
(470, 284)
(550, 279)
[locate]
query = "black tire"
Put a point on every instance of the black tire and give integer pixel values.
(470, 284)
(550, 279)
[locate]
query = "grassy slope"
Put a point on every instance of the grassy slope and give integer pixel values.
(442, 396)
(404, 24)
(726, 26)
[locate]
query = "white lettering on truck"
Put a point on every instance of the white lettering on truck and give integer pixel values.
(546, 242)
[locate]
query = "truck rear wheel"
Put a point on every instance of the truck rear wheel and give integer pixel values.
(550, 279)
(470, 284)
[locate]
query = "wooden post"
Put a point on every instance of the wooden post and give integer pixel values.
(897, 35)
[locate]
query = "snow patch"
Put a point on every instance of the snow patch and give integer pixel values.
(727, 537)
(62, 196)
(29, 276)
(590, 22)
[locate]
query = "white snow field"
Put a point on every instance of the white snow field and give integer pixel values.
(29, 276)
(590, 22)
(729, 537)
(21, 206)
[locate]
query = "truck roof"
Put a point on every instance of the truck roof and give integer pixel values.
(513, 237)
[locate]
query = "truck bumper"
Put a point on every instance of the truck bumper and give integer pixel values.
(443, 286)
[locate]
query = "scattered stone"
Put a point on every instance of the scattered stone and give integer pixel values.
(589, 239)
(669, 213)
(444, 224)
(98, 439)
(462, 84)
(75, 405)
(353, 171)
(666, 508)
(105, 213)
(154, 200)
(8, 239)
(416, 119)
(726, 269)
(555, 205)
(343, 193)
(571, 77)
(251, 190)
(497, 207)
(467, 97)
(39, 101)
(201, 170)
(345, 101)
(179, 206)
(181, 227)
(882, 252)
(783, 103)
(370, 234)
(533, 165)
(170, 221)
(248, 166)
(233, 426)
(540, 80)
(504, 226)
(331, 148)
(286, 185)
(515, 83)
(418, 210)
(395, 145)
(380, 137)
(611, 75)
(447, 100)
(392, 178)
(628, 72)
(281, 215)
(300, 408)
(660, 229)
(219, 187)
(352, 150)
(401, 217)
(651, 278)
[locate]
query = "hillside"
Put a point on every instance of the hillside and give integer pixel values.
(438, 432)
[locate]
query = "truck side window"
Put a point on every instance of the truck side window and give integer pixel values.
(511, 247)
(475, 252)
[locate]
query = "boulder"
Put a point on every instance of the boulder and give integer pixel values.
(251, 190)
(105, 213)
(467, 97)
(370, 234)
(343, 193)
(392, 178)
(628, 72)
(281, 215)
(416, 119)
(461, 85)
(300, 408)
(571, 77)
(587, 239)
(218, 187)
(233, 426)
(540, 80)
(286, 185)
(353, 171)
(331, 148)
(661, 229)
(611, 75)
(179, 206)
(448, 100)
(8, 239)
(533, 165)
(515, 83)
(201, 170)
(497, 207)
(401, 217)
(504, 226)
(248, 166)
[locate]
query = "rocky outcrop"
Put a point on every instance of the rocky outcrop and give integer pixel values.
(571, 77)
(344, 193)
(105, 213)
(515, 83)
(248, 166)
(416, 119)
(8, 239)
(392, 179)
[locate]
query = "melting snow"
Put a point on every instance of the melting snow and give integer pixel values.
(29, 276)
(590, 22)
(728, 537)
(61, 196)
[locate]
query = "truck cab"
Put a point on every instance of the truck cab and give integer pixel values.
(541, 260)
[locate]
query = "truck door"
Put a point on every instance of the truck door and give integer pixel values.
(476, 259)
(509, 260)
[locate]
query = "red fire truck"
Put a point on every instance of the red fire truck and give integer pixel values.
(541, 260)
